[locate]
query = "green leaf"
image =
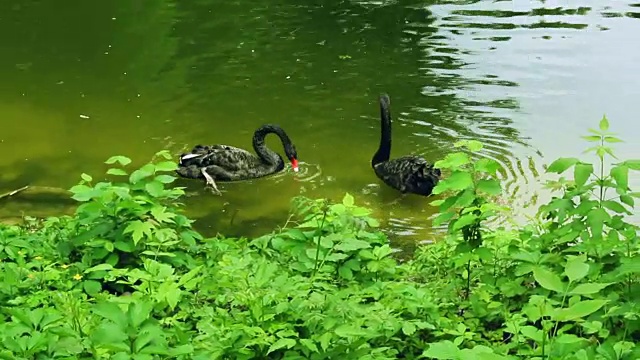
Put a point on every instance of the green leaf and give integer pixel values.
(145, 171)
(561, 165)
(612, 139)
(628, 200)
(548, 280)
(114, 171)
(122, 160)
(576, 269)
(86, 177)
(442, 350)
(588, 289)
(139, 229)
(408, 328)
(595, 220)
(580, 310)
(458, 180)
(82, 193)
(309, 344)
(92, 287)
(489, 186)
(453, 161)
(620, 175)
(165, 179)
(100, 267)
(604, 123)
(632, 164)
(581, 173)
(154, 188)
(348, 200)
(166, 166)
(352, 244)
(592, 138)
(282, 343)
(615, 206)
(488, 166)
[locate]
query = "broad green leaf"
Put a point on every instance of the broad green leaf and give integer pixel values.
(604, 123)
(615, 206)
(627, 199)
(620, 175)
(592, 138)
(561, 165)
(282, 343)
(154, 188)
(348, 200)
(348, 330)
(309, 344)
(464, 220)
(458, 180)
(489, 186)
(122, 160)
(580, 310)
(92, 287)
(442, 350)
(408, 328)
(548, 280)
(100, 267)
(576, 269)
(145, 171)
(166, 166)
(453, 161)
(351, 244)
(139, 229)
(82, 192)
(581, 173)
(595, 220)
(486, 165)
(165, 179)
(119, 172)
(632, 164)
(532, 333)
(588, 289)
(612, 139)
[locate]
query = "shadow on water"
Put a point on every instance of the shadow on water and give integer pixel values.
(132, 79)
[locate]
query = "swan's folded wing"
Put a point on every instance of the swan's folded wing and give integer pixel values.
(408, 173)
(230, 158)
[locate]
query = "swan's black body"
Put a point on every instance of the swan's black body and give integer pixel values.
(229, 163)
(408, 174)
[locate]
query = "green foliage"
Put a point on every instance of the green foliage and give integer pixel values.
(126, 277)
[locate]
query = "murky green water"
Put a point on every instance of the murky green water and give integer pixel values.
(82, 81)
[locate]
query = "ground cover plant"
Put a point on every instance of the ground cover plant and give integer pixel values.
(127, 277)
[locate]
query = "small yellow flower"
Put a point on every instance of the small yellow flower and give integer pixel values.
(30, 276)
(38, 258)
(77, 276)
(64, 266)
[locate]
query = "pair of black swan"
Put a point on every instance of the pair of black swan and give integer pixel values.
(408, 174)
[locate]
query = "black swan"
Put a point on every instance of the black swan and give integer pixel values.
(408, 174)
(229, 163)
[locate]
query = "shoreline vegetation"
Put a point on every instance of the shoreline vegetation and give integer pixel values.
(127, 277)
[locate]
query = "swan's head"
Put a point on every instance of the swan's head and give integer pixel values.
(292, 155)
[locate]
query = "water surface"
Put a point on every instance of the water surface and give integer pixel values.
(82, 82)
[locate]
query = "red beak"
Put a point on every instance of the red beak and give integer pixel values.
(294, 164)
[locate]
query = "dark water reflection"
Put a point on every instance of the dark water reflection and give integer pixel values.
(82, 83)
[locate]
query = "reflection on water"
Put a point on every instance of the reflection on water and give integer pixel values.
(82, 83)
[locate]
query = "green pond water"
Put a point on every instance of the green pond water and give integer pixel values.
(84, 80)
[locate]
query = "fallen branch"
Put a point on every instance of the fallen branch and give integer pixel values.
(11, 193)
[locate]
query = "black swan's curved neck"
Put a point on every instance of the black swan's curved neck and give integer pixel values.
(261, 148)
(384, 150)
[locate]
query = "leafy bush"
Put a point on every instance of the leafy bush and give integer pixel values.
(126, 277)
